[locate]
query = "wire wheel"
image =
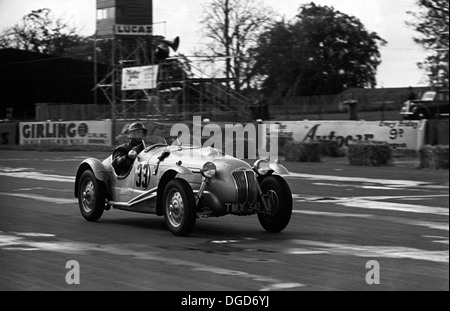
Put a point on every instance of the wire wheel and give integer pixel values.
(175, 206)
(272, 202)
(277, 197)
(91, 196)
(179, 207)
(88, 198)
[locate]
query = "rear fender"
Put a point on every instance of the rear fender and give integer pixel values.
(96, 166)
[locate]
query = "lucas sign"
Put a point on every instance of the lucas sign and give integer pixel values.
(139, 78)
(133, 30)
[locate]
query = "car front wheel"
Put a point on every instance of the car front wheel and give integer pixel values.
(278, 200)
(91, 196)
(179, 207)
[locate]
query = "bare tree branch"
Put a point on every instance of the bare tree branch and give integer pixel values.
(246, 20)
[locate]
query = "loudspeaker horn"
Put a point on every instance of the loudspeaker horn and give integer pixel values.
(174, 44)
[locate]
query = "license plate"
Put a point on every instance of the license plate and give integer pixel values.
(243, 208)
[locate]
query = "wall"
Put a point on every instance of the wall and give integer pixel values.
(9, 133)
(399, 134)
(437, 132)
(408, 135)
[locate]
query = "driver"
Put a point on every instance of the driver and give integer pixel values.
(121, 161)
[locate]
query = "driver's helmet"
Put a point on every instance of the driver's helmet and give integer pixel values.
(137, 131)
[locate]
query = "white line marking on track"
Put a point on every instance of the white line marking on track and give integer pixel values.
(382, 182)
(432, 225)
(33, 234)
(41, 198)
(356, 186)
(25, 249)
(418, 209)
(441, 239)
(25, 173)
(374, 202)
(75, 159)
(42, 188)
(395, 252)
(306, 212)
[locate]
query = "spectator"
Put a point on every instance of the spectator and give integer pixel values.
(352, 103)
(263, 108)
(411, 94)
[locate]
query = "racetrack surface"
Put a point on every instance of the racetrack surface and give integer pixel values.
(344, 218)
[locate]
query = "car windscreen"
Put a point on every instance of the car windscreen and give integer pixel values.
(187, 140)
(429, 95)
(154, 139)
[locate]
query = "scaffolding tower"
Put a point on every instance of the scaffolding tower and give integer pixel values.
(179, 93)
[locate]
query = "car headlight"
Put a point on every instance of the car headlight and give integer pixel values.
(208, 170)
(261, 167)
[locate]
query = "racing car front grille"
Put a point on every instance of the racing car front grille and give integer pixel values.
(246, 185)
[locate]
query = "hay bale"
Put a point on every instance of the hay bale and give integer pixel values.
(426, 157)
(291, 151)
(283, 143)
(441, 154)
(434, 157)
(310, 152)
(330, 148)
(369, 153)
(302, 151)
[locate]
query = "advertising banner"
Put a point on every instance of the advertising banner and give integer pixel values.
(139, 78)
(408, 135)
(8, 133)
(66, 133)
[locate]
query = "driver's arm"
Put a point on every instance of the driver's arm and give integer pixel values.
(119, 156)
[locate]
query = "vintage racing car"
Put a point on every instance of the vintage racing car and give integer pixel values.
(185, 182)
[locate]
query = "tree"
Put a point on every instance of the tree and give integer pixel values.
(232, 28)
(432, 24)
(322, 51)
(40, 32)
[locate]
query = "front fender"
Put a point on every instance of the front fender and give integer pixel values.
(278, 168)
(181, 170)
(278, 177)
(168, 175)
(96, 166)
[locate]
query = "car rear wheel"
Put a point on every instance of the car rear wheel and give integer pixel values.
(91, 196)
(179, 207)
(278, 199)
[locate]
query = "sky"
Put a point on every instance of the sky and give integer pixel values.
(181, 18)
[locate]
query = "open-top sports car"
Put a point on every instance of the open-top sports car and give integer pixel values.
(183, 183)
